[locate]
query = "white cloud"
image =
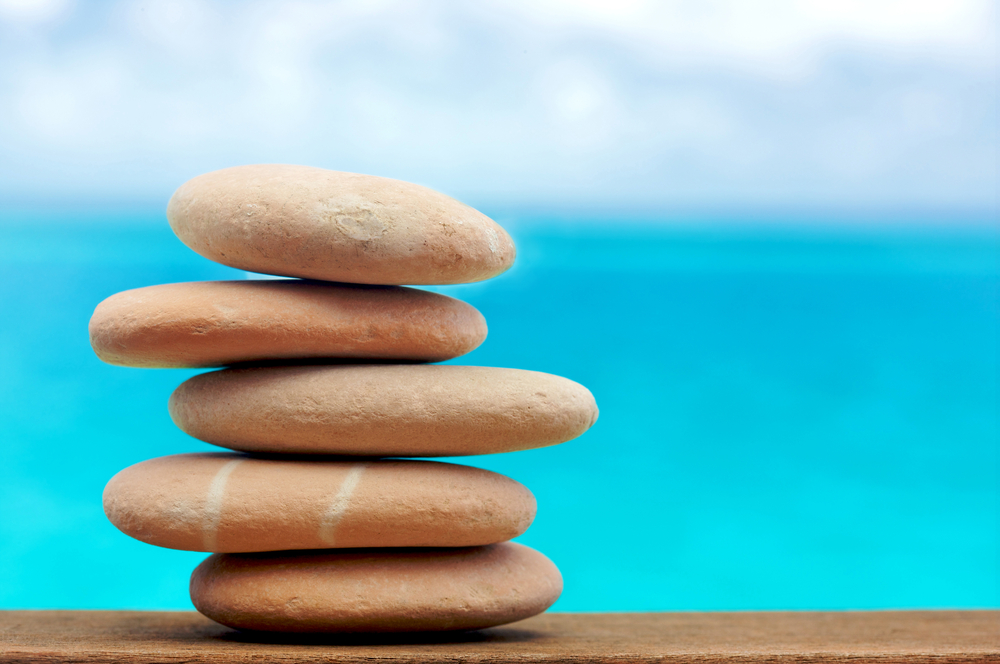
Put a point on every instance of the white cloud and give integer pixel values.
(774, 34)
(33, 11)
(70, 106)
(700, 103)
(186, 29)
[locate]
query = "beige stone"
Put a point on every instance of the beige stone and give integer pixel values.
(299, 221)
(226, 502)
(216, 323)
(382, 410)
(382, 590)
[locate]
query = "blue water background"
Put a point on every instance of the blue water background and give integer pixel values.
(790, 418)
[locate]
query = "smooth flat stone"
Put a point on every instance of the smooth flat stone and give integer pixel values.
(216, 323)
(226, 502)
(382, 410)
(299, 221)
(381, 590)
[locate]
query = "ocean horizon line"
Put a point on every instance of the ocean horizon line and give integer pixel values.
(805, 219)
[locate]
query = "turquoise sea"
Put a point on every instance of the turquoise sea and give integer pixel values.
(792, 417)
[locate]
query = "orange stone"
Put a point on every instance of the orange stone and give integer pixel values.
(376, 590)
(382, 410)
(217, 323)
(299, 221)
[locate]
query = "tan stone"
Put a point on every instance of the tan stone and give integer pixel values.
(299, 221)
(382, 590)
(216, 323)
(382, 410)
(226, 502)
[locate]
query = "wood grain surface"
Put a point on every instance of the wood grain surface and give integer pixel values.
(175, 637)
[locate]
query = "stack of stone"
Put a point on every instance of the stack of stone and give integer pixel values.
(312, 525)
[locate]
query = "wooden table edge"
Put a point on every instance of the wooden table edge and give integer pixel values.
(887, 637)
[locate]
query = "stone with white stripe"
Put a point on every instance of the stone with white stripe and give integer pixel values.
(234, 503)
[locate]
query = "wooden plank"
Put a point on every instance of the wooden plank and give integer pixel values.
(938, 637)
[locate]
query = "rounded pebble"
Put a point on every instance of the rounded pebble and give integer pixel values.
(402, 590)
(227, 502)
(217, 323)
(382, 410)
(299, 221)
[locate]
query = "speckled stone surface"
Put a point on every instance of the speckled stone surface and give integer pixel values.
(388, 410)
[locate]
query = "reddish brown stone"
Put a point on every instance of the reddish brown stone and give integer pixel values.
(376, 590)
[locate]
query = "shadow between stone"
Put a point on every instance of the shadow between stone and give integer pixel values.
(492, 635)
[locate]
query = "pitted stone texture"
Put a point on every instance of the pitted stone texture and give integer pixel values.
(382, 410)
(226, 502)
(218, 323)
(299, 221)
(382, 590)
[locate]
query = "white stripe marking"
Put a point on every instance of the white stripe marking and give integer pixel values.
(340, 503)
(213, 505)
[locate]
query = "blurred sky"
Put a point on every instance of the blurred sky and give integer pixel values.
(623, 106)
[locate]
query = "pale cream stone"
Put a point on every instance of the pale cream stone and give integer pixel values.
(299, 221)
